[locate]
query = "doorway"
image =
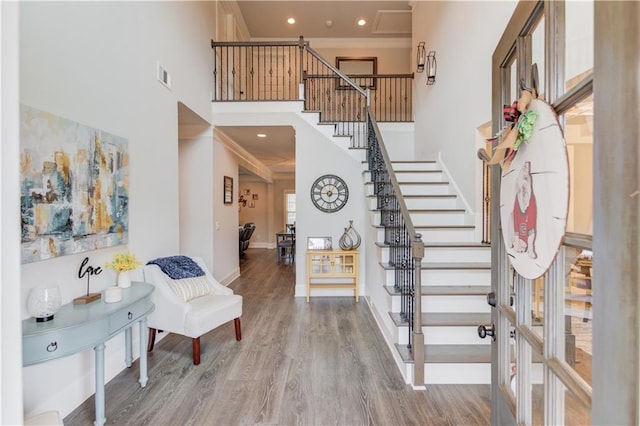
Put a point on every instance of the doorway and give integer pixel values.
(542, 354)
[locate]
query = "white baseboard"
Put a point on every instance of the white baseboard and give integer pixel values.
(230, 278)
(262, 245)
(301, 291)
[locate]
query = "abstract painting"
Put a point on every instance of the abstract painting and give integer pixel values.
(74, 186)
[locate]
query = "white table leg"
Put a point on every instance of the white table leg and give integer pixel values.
(99, 352)
(128, 353)
(143, 352)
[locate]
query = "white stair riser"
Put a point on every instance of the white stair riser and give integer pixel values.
(417, 189)
(453, 235)
(431, 218)
(458, 254)
(449, 277)
(449, 254)
(426, 176)
(432, 203)
(446, 303)
(431, 176)
(415, 166)
(423, 203)
(467, 335)
(424, 189)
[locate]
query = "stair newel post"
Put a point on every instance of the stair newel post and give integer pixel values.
(302, 73)
(417, 249)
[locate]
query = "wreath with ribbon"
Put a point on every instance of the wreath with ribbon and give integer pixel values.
(518, 130)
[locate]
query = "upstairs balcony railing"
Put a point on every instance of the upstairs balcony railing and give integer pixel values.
(293, 71)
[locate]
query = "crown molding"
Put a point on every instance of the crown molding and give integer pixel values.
(245, 158)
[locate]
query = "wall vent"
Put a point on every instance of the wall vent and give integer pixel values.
(163, 76)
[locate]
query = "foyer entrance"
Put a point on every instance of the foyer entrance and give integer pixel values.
(542, 354)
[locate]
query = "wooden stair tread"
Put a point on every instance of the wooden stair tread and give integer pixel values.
(447, 290)
(443, 265)
(433, 227)
(423, 183)
(446, 245)
(456, 265)
(447, 319)
(413, 161)
(425, 210)
(450, 354)
(419, 196)
(473, 244)
(418, 171)
(417, 183)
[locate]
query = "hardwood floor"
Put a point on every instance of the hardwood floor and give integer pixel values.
(316, 363)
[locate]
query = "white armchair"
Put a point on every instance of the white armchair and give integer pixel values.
(181, 308)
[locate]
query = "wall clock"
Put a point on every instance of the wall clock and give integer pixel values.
(329, 193)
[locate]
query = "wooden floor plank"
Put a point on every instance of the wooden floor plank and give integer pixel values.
(299, 363)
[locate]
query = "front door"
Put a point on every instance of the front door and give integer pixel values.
(542, 353)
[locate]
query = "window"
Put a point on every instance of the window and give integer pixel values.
(290, 207)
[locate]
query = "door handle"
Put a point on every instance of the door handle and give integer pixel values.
(491, 298)
(487, 330)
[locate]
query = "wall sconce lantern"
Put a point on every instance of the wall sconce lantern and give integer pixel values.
(431, 67)
(421, 57)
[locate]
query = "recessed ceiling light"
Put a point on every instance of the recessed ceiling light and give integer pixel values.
(261, 135)
(362, 22)
(291, 21)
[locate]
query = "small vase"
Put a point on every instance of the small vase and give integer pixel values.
(350, 240)
(124, 279)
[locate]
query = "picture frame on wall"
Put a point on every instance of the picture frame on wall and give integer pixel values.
(228, 190)
(360, 69)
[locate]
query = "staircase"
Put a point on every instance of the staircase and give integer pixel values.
(456, 274)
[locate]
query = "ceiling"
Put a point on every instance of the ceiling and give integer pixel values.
(326, 19)
(277, 150)
(267, 19)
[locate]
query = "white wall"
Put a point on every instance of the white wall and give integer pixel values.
(398, 139)
(257, 210)
(225, 237)
(95, 63)
(316, 154)
(10, 315)
(196, 209)
(464, 35)
(395, 60)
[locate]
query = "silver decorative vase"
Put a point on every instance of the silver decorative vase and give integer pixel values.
(350, 240)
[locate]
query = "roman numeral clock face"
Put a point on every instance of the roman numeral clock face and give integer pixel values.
(329, 193)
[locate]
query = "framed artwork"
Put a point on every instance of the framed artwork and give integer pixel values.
(74, 190)
(360, 70)
(319, 243)
(228, 190)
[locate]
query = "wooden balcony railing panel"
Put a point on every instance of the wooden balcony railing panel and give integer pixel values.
(273, 71)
